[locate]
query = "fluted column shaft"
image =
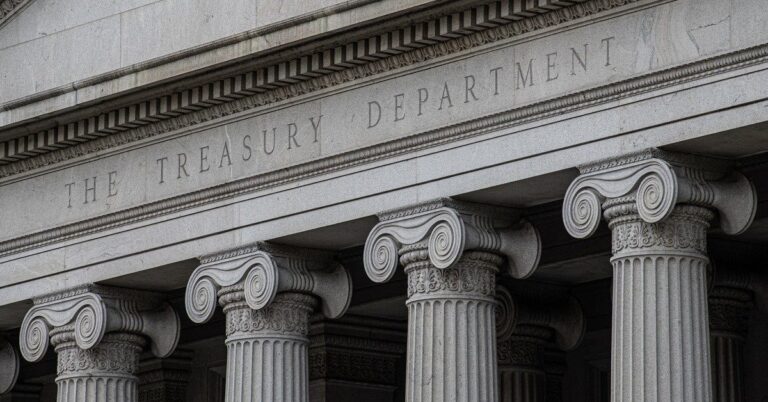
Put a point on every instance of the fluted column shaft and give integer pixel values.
(660, 342)
(728, 320)
(451, 329)
(104, 373)
(521, 370)
(267, 349)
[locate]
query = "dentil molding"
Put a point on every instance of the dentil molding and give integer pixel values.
(450, 228)
(424, 40)
(9, 8)
(92, 311)
(654, 182)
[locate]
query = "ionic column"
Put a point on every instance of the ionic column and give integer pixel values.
(165, 380)
(9, 366)
(730, 302)
(267, 293)
(524, 331)
(451, 252)
(98, 334)
(658, 206)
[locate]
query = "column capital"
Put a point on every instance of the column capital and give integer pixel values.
(730, 300)
(91, 311)
(449, 228)
(9, 366)
(562, 323)
(263, 270)
(652, 182)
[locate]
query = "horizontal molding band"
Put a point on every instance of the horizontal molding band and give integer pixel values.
(472, 128)
(300, 69)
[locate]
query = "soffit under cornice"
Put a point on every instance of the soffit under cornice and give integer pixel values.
(475, 26)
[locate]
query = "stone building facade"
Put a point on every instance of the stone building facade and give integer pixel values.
(383, 200)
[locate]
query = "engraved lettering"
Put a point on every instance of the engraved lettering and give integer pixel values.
(204, 159)
(69, 194)
(292, 130)
(316, 126)
(225, 154)
(495, 73)
(182, 162)
(446, 95)
(264, 142)
(523, 78)
(91, 189)
(247, 146)
(469, 85)
(551, 65)
(607, 42)
(161, 162)
(112, 181)
(370, 114)
(423, 96)
(399, 107)
(575, 57)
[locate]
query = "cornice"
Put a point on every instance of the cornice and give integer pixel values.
(9, 8)
(472, 128)
(396, 49)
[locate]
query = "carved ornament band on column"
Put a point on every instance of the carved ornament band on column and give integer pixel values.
(264, 270)
(450, 228)
(656, 181)
(91, 311)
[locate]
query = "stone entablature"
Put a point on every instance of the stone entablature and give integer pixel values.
(304, 68)
(176, 179)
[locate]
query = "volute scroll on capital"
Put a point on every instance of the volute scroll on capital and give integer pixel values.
(657, 181)
(264, 270)
(450, 228)
(93, 311)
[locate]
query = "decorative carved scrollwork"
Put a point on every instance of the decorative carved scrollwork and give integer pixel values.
(656, 182)
(92, 311)
(449, 228)
(263, 271)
